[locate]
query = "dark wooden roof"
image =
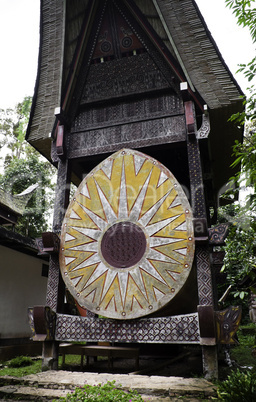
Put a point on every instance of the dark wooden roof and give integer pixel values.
(22, 244)
(176, 24)
(13, 205)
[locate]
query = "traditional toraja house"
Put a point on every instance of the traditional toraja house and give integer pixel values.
(132, 102)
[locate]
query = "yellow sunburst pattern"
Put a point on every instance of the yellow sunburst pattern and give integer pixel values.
(127, 242)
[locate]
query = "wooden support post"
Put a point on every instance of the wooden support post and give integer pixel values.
(55, 286)
(50, 354)
(202, 253)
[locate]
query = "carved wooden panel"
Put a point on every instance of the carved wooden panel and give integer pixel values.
(124, 111)
(116, 37)
(176, 329)
(121, 77)
(133, 135)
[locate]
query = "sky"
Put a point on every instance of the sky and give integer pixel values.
(19, 43)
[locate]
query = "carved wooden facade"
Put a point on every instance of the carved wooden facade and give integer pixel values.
(135, 75)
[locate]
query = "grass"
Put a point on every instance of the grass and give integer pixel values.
(102, 393)
(6, 368)
(243, 353)
(33, 368)
(71, 360)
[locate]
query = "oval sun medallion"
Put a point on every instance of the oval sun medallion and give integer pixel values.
(127, 242)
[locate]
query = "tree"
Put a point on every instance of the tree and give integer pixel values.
(18, 176)
(245, 152)
(240, 257)
(13, 124)
(24, 166)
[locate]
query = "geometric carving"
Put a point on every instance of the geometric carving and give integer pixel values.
(122, 111)
(175, 329)
(204, 279)
(127, 243)
(133, 135)
(122, 77)
(53, 283)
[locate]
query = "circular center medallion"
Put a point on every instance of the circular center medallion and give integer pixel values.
(123, 244)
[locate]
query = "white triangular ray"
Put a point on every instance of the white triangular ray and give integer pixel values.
(107, 167)
(68, 237)
(74, 215)
(162, 179)
(111, 216)
(158, 294)
(90, 296)
(123, 207)
(95, 218)
(161, 241)
(135, 304)
(174, 275)
(156, 227)
(136, 275)
(85, 191)
(86, 247)
(94, 259)
(76, 280)
(135, 212)
(123, 280)
(68, 260)
(175, 202)
(151, 212)
(182, 226)
(156, 255)
(109, 279)
(92, 233)
(151, 270)
(97, 273)
(138, 162)
(182, 251)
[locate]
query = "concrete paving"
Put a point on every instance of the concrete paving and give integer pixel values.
(53, 384)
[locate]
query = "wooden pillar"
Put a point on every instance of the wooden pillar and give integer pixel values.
(55, 286)
(202, 252)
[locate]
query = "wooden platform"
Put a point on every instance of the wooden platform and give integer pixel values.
(99, 350)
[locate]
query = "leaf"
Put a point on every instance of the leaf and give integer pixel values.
(241, 295)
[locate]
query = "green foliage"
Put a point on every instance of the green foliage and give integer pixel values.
(240, 256)
(240, 259)
(13, 124)
(243, 353)
(18, 176)
(24, 167)
(103, 392)
(20, 361)
(34, 368)
(245, 12)
(245, 153)
(239, 387)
